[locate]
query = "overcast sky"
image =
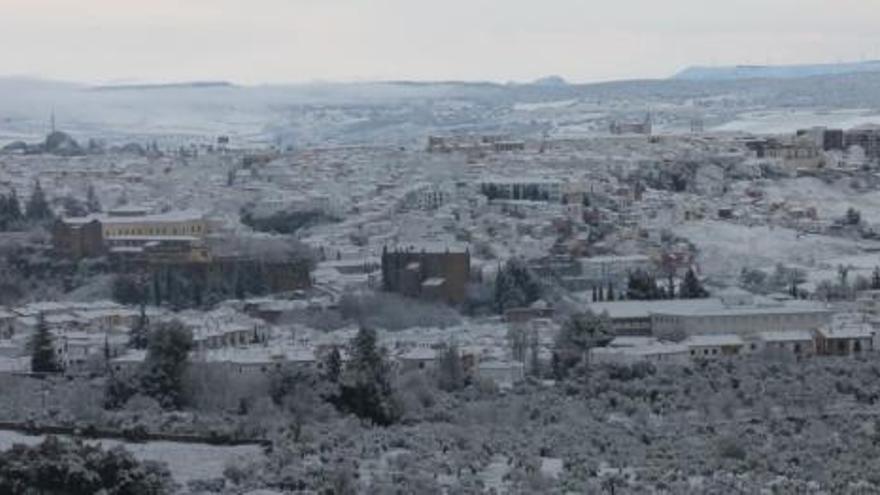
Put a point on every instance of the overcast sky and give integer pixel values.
(272, 41)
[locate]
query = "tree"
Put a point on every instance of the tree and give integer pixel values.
(691, 287)
(641, 286)
(139, 336)
(127, 289)
(853, 217)
(37, 209)
(73, 207)
(333, 365)
(450, 370)
(93, 205)
(44, 359)
(578, 335)
(161, 375)
(70, 467)
(366, 389)
(875, 279)
(515, 286)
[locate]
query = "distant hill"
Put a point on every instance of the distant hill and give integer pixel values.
(183, 85)
(700, 73)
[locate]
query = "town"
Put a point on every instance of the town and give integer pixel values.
(499, 262)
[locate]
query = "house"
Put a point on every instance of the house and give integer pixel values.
(844, 340)
(602, 270)
(633, 350)
(714, 346)
(505, 374)
(797, 342)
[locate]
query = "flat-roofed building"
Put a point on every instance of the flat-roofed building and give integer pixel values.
(734, 312)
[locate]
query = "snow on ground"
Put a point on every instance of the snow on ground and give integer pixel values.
(830, 200)
(784, 121)
(186, 461)
(726, 248)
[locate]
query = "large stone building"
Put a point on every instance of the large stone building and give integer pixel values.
(437, 274)
(132, 231)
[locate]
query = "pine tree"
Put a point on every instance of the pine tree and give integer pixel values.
(38, 207)
(875, 278)
(43, 356)
(165, 364)
(366, 388)
(642, 286)
(691, 287)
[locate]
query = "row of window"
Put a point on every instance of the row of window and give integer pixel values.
(181, 230)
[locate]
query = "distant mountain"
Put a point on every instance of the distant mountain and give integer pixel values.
(183, 85)
(700, 73)
(550, 81)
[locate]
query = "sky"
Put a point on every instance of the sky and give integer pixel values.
(286, 41)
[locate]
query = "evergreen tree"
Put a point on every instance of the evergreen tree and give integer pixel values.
(333, 365)
(93, 205)
(38, 207)
(642, 286)
(515, 287)
(44, 359)
(366, 389)
(161, 375)
(13, 207)
(578, 335)
(875, 278)
(140, 333)
(691, 287)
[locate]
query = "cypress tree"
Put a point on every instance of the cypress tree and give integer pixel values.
(691, 288)
(38, 207)
(43, 356)
(139, 336)
(93, 205)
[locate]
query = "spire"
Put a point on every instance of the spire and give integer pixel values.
(52, 121)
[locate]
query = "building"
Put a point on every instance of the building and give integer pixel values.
(844, 340)
(132, 231)
(796, 342)
(78, 239)
(801, 152)
(733, 312)
(630, 351)
(867, 138)
(826, 139)
(714, 346)
(614, 269)
(524, 189)
(644, 127)
(439, 275)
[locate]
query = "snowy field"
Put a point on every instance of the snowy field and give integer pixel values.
(830, 200)
(785, 121)
(727, 248)
(186, 462)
